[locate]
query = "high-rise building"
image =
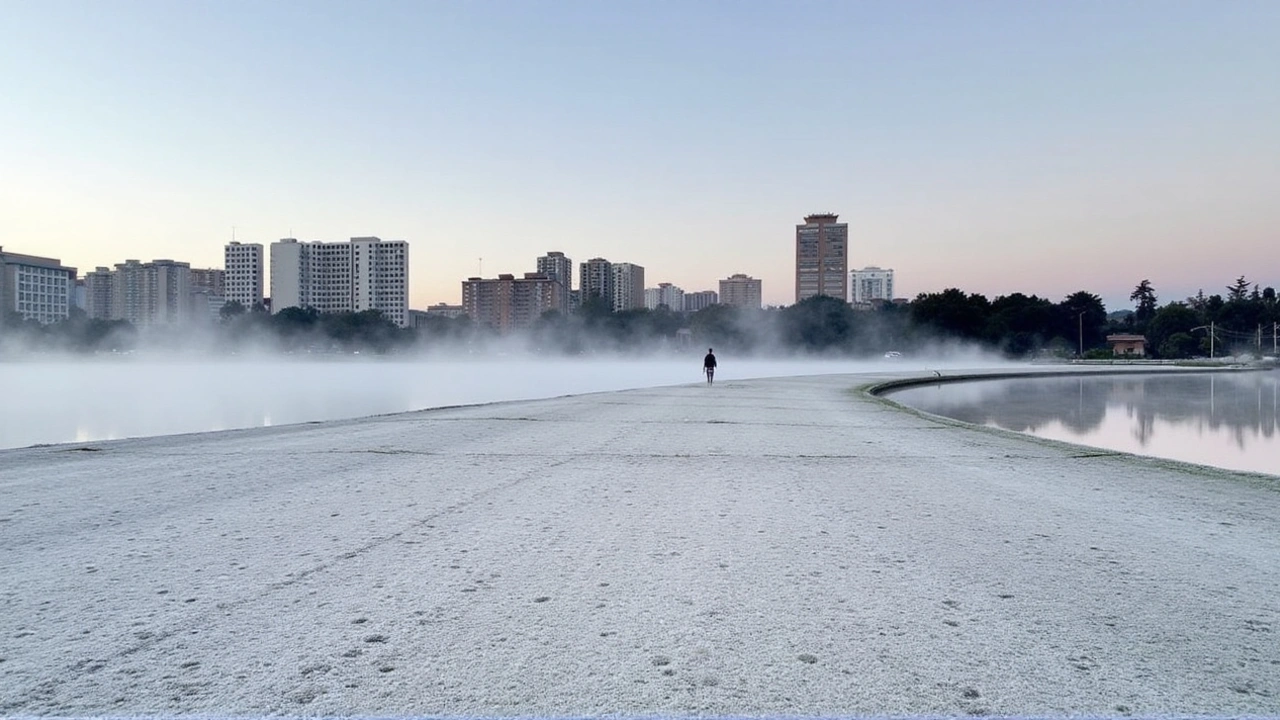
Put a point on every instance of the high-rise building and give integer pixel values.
(171, 292)
(740, 290)
(209, 280)
(822, 260)
(365, 273)
(665, 294)
(145, 294)
(243, 263)
(98, 293)
(507, 303)
(559, 268)
(870, 284)
(628, 287)
(36, 288)
(595, 280)
(695, 301)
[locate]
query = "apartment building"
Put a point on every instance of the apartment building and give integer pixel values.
(595, 279)
(559, 268)
(870, 284)
(145, 294)
(741, 291)
(212, 281)
(243, 273)
(364, 273)
(35, 288)
(627, 287)
(665, 294)
(822, 260)
(695, 301)
(508, 303)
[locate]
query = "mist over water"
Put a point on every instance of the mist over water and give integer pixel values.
(76, 400)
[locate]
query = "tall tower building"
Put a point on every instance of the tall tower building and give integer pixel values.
(154, 293)
(364, 273)
(822, 257)
(595, 279)
(560, 269)
(870, 284)
(628, 287)
(243, 278)
(98, 293)
(741, 290)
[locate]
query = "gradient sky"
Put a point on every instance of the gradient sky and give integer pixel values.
(998, 147)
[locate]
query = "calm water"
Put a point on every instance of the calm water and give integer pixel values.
(60, 400)
(1225, 420)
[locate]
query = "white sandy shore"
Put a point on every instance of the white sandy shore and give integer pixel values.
(775, 546)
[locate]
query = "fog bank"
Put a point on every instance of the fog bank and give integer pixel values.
(76, 400)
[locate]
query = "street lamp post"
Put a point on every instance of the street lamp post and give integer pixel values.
(1208, 327)
(1080, 324)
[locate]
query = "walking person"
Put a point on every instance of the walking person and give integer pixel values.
(709, 365)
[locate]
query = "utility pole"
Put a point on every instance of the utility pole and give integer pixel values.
(1208, 327)
(1080, 322)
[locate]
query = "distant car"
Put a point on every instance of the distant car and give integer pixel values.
(892, 355)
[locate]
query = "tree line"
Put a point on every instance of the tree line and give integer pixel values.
(1016, 325)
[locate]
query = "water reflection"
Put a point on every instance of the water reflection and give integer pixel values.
(1223, 419)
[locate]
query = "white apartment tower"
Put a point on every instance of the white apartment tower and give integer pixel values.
(870, 284)
(628, 286)
(665, 294)
(364, 273)
(243, 279)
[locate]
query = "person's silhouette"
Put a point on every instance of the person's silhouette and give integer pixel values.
(709, 365)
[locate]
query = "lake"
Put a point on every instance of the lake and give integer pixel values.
(1223, 419)
(49, 400)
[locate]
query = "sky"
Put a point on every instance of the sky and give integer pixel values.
(997, 147)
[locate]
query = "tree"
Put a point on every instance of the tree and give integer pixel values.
(1145, 297)
(1178, 345)
(1239, 290)
(231, 309)
(718, 326)
(1018, 324)
(1083, 316)
(819, 323)
(951, 312)
(1169, 320)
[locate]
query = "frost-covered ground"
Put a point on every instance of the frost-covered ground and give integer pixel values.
(780, 546)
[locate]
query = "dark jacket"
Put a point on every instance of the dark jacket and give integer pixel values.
(709, 361)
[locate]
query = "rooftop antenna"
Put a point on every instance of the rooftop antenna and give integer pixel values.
(481, 271)
(233, 233)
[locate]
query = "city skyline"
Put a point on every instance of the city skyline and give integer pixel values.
(1002, 147)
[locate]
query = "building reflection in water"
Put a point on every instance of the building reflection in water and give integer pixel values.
(1226, 419)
